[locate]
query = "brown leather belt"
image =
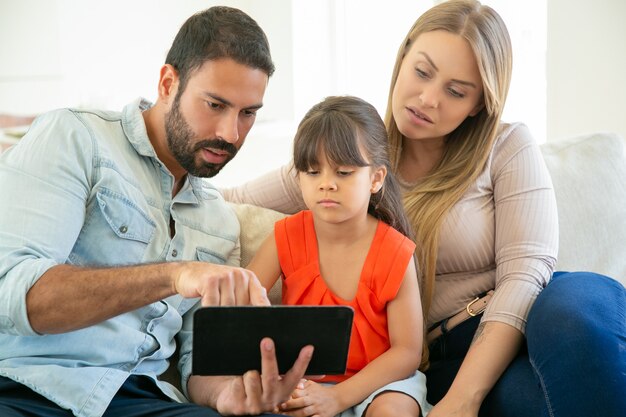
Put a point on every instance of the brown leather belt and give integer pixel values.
(473, 308)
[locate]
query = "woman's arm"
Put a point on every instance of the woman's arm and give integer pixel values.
(277, 190)
(526, 242)
(494, 347)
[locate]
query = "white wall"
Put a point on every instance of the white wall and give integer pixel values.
(586, 67)
(57, 53)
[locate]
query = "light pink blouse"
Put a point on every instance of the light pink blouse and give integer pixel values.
(502, 234)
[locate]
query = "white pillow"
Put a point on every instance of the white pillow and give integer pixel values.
(589, 176)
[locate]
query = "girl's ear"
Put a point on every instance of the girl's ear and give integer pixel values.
(378, 179)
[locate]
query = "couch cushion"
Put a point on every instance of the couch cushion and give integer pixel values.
(589, 176)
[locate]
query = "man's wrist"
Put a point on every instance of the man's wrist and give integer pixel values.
(205, 391)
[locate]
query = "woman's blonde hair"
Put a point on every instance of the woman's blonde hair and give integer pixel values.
(468, 146)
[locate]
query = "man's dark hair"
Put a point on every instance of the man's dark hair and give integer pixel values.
(219, 32)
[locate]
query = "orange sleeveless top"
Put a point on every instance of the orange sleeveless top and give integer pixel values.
(380, 280)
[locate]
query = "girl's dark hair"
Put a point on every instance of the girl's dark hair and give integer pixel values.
(219, 32)
(345, 127)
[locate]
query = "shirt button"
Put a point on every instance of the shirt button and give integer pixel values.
(123, 229)
(174, 253)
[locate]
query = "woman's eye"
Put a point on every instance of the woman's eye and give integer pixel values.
(420, 73)
(455, 93)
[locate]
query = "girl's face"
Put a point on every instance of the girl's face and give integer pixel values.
(336, 194)
(438, 86)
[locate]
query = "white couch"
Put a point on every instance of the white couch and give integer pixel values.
(589, 176)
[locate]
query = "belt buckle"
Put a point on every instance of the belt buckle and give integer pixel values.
(469, 309)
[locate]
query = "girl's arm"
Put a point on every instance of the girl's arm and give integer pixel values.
(401, 360)
(265, 264)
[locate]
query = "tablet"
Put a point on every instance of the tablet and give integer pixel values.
(226, 340)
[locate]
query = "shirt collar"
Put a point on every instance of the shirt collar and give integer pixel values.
(135, 127)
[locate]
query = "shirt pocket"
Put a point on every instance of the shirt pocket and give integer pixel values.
(117, 231)
(124, 217)
(206, 255)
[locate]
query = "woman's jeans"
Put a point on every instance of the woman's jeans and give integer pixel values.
(573, 362)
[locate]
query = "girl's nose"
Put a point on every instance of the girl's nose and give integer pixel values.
(327, 183)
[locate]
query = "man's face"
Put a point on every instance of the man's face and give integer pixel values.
(210, 118)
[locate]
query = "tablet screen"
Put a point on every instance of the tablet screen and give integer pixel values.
(226, 340)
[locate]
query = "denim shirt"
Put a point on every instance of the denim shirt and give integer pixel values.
(86, 188)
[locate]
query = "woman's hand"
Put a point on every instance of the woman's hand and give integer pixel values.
(452, 408)
(312, 399)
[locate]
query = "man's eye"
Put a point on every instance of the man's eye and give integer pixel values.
(214, 106)
(249, 113)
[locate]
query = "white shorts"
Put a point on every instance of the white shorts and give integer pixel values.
(414, 386)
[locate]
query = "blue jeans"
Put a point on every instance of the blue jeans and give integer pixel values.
(138, 397)
(573, 362)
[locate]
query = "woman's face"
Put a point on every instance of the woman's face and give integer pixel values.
(438, 86)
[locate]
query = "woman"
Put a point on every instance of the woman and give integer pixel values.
(484, 213)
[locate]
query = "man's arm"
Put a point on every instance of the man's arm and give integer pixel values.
(99, 294)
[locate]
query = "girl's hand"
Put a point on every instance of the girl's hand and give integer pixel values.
(312, 400)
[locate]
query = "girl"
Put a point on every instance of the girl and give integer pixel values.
(351, 248)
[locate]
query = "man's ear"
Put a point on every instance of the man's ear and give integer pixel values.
(168, 83)
(378, 179)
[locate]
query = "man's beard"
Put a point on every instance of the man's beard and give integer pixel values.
(180, 138)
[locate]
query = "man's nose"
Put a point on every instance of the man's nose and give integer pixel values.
(228, 127)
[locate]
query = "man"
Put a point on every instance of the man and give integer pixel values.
(104, 224)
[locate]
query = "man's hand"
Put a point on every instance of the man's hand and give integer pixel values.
(219, 285)
(252, 393)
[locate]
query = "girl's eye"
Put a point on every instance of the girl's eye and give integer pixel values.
(343, 173)
(312, 172)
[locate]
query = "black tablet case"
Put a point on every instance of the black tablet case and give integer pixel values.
(226, 340)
